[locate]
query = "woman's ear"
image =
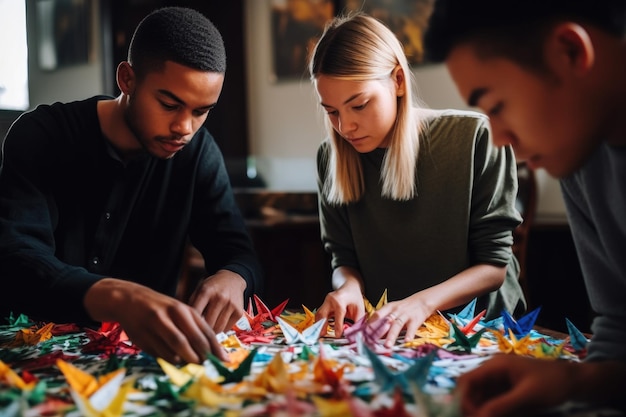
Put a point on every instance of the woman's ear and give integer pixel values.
(570, 48)
(125, 77)
(397, 75)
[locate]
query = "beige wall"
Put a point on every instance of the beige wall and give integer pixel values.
(70, 83)
(285, 122)
(285, 119)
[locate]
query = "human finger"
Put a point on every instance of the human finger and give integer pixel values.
(156, 348)
(396, 326)
(339, 319)
(214, 346)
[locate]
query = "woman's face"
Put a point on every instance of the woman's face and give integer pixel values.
(362, 112)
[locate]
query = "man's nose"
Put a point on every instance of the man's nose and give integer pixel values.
(183, 125)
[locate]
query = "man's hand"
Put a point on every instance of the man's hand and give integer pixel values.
(158, 324)
(511, 385)
(219, 299)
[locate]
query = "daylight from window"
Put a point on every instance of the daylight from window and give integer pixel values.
(14, 53)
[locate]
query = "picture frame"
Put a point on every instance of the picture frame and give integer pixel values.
(296, 26)
(408, 19)
(63, 33)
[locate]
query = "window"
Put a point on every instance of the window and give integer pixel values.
(14, 53)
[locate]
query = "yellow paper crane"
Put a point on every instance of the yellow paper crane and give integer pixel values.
(96, 397)
(13, 379)
(370, 309)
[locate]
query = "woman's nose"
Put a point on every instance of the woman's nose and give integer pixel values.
(346, 125)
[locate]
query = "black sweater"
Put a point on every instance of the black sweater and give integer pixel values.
(72, 213)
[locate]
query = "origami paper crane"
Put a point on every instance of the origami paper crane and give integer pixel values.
(435, 330)
(308, 336)
(370, 309)
(18, 322)
(324, 373)
(435, 323)
(96, 397)
(13, 379)
(257, 325)
(109, 338)
(462, 341)
(577, 339)
(208, 393)
(518, 347)
(300, 321)
(33, 337)
(358, 326)
(181, 376)
(465, 315)
(388, 380)
(545, 350)
(275, 377)
(523, 325)
(263, 310)
(238, 373)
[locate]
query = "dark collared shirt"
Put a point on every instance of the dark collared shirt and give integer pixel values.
(72, 213)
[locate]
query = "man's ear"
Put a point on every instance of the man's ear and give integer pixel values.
(125, 77)
(569, 47)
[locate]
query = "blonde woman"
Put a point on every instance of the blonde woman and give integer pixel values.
(412, 200)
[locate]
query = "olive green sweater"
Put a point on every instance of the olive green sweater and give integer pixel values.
(464, 214)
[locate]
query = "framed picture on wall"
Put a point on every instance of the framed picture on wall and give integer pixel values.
(406, 18)
(63, 32)
(297, 25)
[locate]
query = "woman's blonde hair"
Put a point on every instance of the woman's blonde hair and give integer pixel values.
(358, 47)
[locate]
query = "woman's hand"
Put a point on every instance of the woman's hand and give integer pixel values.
(345, 302)
(408, 314)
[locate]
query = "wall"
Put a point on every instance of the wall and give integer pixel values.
(68, 83)
(286, 123)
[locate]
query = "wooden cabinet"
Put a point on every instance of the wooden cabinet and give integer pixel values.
(285, 230)
(293, 260)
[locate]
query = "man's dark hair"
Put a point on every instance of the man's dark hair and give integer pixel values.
(513, 29)
(182, 35)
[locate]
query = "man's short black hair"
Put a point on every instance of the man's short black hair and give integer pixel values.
(179, 34)
(513, 28)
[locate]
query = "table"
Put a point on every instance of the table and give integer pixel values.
(51, 369)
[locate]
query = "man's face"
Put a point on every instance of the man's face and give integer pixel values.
(167, 108)
(545, 118)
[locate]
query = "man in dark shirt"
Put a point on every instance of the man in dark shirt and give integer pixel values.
(551, 75)
(98, 198)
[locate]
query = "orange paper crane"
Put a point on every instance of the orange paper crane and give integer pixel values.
(13, 379)
(33, 337)
(96, 397)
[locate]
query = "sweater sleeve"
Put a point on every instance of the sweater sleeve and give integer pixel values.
(34, 281)
(493, 213)
(218, 230)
